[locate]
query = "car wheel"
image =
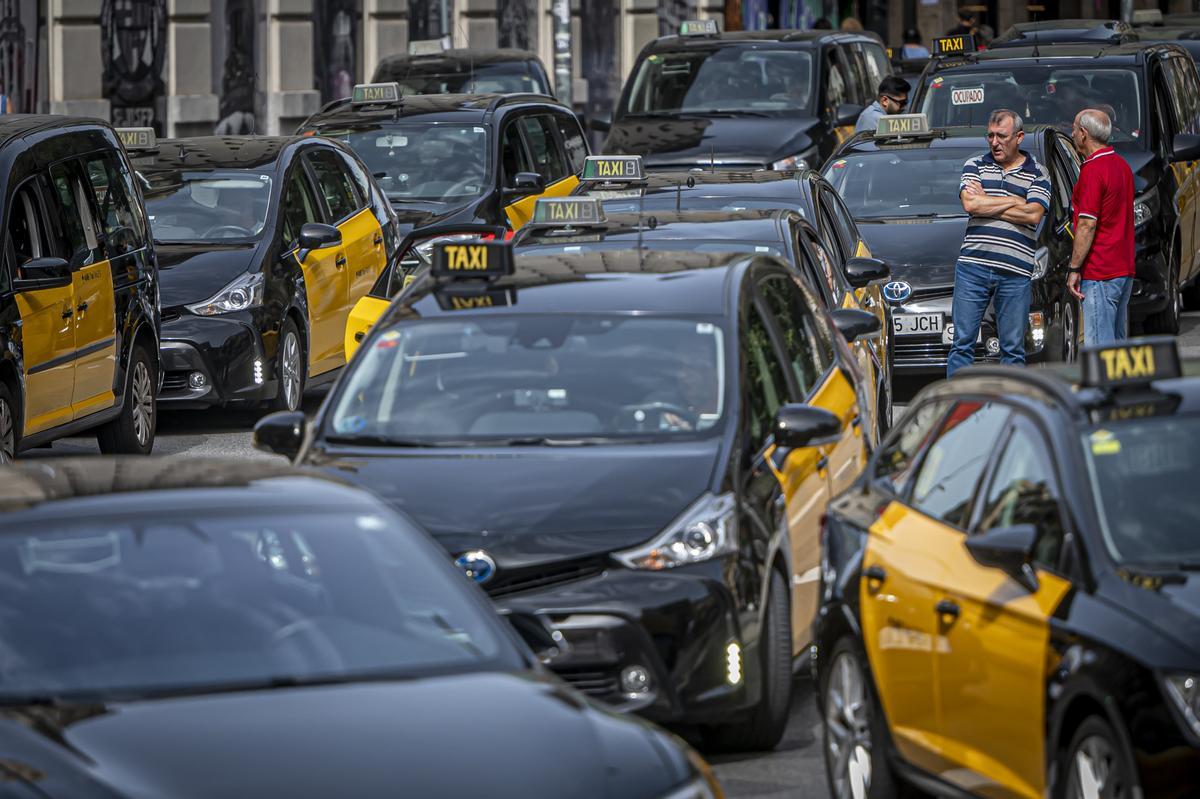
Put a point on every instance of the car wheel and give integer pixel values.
(290, 368)
(1096, 765)
(1062, 343)
(132, 432)
(8, 425)
(856, 761)
(763, 728)
(1167, 320)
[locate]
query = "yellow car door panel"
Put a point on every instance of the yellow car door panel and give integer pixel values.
(362, 318)
(368, 258)
(520, 212)
(95, 339)
(325, 292)
(48, 344)
(847, 457)
(806, 492)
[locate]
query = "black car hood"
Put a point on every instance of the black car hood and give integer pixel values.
(697, 139)
(414, 214)
(532, 505)
(190, 273)
(490, 734)
(1172, 606)
(1145, 165)
(921, 252)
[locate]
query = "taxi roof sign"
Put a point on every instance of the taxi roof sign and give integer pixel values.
(893, 125)
(429, 46)
(568, 211)
(136, 138)
(472, 259)
(1131, 363)
(698, 27)
(1147, 16)
(373, 93)
(954, 45)
(612, 169)
(449, 299)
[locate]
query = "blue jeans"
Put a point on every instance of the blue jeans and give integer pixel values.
(1105, 310)
(974, 287)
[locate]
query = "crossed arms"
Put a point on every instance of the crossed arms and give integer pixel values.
(977, 202)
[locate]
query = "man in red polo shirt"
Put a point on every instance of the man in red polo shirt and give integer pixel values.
(1102, 265)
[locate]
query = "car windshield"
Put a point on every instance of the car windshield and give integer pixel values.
(432, 162)
(1131, 463)
(1040, 94)
(205, 205)
(899, 183)
(734, 79)
(537, 379)
(147, 605)
(510, 77)
(631, 202)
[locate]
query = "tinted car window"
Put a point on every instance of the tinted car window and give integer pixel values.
(423, 161)
(119, 216)
(951, 469)
(79, 224)
(205, 204)
(548, 157)
(335, 184)
(879, 185)
(723, 79)
(572, 137)
(843, 222)
(299, 207)
(513, 157)
(835, 82)
(766, 384)
(26, 235)
(877, 67)
(804, 348)
(894, 464)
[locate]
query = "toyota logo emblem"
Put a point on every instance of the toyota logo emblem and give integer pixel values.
(897, 291)
(477, 565)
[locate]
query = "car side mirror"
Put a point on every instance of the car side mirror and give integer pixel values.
(316, 236)
(525, 184)
(798, 425)
(855, 324)
(1008, 549)
(863, 272)
(535, 629)
(1185, 147)
(847, 114)
(281, 433)
(43, 273)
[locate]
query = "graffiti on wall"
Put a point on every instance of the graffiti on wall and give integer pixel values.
(18, 56)
(133, 51)
(514, 21)
(238, 83)
(335, 51)
(425, 18)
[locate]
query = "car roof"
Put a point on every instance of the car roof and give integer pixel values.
(785, 186)
(14, 126)
(1122, 54)
(956, 138)
(438, 107)
(215, 152)
(805, 38)
(685, 225)
(1065, 30)
(456, 60)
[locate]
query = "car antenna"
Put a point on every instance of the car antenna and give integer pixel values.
(678, 194)
(712, 158)
(641, 253)
(1036, 53)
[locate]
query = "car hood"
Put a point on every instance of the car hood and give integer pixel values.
(1172, 607)
(411, 214)
(688, 140)
(513, 736)
(531, 505)
(921, 252)
(190, 273)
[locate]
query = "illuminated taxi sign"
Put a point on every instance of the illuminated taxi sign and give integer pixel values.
(612, 169)
(954, 45)
(136, 138)
(472, 259)
(428, 46)
(698, 27)
(891, 125)
(567, 211)
(373, 93)
(1136, 362)
(449, 300)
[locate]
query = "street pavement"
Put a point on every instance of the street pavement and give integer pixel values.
(794, 769)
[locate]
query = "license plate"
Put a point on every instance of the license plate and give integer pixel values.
(916, 324)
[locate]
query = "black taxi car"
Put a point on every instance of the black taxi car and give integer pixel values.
(647, 411)
(772, 99)
(1011, 591)
(265, 244)
(1153, 93)
(902, 188)
(78, 289)
(428, 68)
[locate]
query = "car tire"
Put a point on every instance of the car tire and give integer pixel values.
(8, 425)
(1062, 343)
(883, 414)
(132, 432)
(763, 728)
(854, 736)
(290, 369)
(1166, 321)
(1097, 765)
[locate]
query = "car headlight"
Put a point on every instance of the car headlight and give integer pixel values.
(704, 531)
(804, 159)
(243, 293)
(1145, 207)
(1041, 263)
(1184, 691)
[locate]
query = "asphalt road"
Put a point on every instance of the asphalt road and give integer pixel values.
(794, 769)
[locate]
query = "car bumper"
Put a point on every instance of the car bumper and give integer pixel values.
(925, 354)
(1149, 293)
(227, 351)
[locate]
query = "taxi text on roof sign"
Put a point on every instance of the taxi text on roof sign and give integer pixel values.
(136, 138)
(698, 27)
(612, 168)
(951, 45)
(475, 300)
(567, 211)
(472, 259)
(369, 93)
(429, 46)
(1136, 362)
(902, 125)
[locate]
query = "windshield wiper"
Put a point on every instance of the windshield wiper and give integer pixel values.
(390, 441)
(726, 112)
(922, 215)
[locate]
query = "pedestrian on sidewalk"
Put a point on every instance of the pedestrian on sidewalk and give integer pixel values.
(1102, 265)
(1006, 192)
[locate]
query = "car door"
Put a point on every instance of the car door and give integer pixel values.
(1173, 119)
(47, 316)
(1183, 88)
(349, 210)
(547, 157)
(869, 298)
(838, 90)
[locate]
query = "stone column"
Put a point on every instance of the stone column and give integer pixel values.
(385, 32)
(639, 25)
(191, 101)
(74, 67)
(288, 69)
(475, 24)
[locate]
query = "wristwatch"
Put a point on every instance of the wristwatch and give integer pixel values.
(1074, 268)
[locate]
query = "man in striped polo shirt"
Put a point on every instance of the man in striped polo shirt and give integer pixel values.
(1006, 192)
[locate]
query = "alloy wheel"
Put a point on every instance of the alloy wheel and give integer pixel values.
(1096, 771)
(289, 368)
(143, 403)
(1070, 340)
(848, 729)
(8, 435)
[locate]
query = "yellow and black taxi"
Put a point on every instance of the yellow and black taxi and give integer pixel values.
(264, 245)
(770, 99)
(1011, 591)
(431, 68)
(647, 410)
(78, 289)
(1152, 94)
(901, 184)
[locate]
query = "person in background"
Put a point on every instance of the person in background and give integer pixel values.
(913, 48)
(892, 99)
(967, 23)
(823, 24)
(1102, 257)
(852, 25)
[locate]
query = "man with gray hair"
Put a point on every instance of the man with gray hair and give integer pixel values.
(1006, 192)
(1102, 258)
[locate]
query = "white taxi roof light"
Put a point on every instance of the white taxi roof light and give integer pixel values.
(429, 46)
(375, 93)
(1137, 362)
(698, 27)
(612, 169)
(568, 212)
(136, 138)
(894, 125)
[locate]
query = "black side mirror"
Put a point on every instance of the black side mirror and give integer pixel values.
(525, 184)
(863, 272)
(316, 236)
(855, 324)
(1007, 549)
(847, 114)
(42, 273)
(281, 433)
(546, 642)
(1185, 147)
(601, 122)
(798, 425)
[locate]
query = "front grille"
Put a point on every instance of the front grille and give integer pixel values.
(935, 293)
(550, 575)
(599, 684)
(175, 381)
(928, 350)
